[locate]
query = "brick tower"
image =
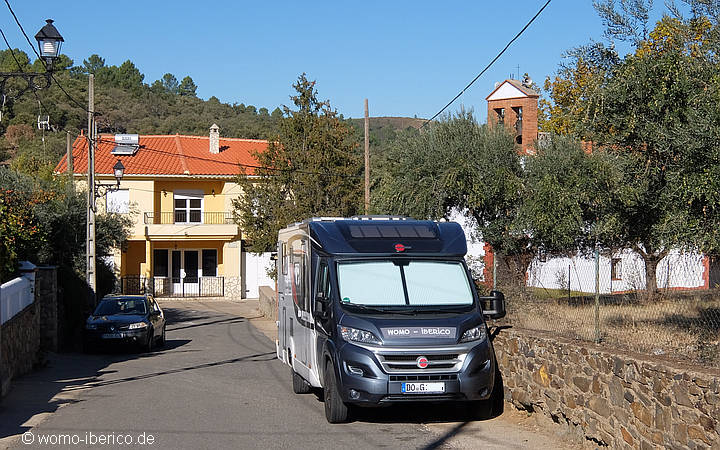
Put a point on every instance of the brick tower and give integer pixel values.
(515, 104)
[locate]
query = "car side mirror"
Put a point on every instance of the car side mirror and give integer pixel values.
(320, 310)
(493, 306)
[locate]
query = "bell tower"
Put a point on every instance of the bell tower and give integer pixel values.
(514, 104)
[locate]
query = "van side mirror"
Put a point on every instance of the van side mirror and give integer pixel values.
(493, 306)
(320, 310)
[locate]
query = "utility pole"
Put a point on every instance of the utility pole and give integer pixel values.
(70, 165)
(367, 159)
(90, 243)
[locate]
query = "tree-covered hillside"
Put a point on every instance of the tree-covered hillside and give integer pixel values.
(125, 103)
(128, 103)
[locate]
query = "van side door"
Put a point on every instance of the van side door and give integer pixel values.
(299, 279)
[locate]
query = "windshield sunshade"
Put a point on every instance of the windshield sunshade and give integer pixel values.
(414, 283)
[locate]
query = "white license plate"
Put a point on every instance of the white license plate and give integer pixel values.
(423, 388)
(112, 336)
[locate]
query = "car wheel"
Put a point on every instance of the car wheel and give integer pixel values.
(88, 347)
(150, 341)
(336, 411)
(300, 386)
(161, 341)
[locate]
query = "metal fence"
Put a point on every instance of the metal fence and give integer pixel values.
(605, 299)
(173, 287)
(188, 217)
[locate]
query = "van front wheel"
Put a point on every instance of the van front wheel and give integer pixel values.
(336, 411)
(300, 386)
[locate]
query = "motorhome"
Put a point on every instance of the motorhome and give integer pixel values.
(382, 310)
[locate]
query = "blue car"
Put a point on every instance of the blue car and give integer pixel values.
(126, 319)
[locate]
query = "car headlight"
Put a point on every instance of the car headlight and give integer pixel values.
(90, 326)
(474, 334)
(137, 325)
(355, 335)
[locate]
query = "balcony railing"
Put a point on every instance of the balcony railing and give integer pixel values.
(188, 217)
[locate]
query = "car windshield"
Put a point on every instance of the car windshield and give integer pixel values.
(121, 306)
(404, 283)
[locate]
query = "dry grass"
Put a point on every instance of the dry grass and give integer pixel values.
(683, 327)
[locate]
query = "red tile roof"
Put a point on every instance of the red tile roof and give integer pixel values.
(169, 155)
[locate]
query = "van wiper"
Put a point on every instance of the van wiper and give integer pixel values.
(442, 310)
(364, 307)
(382, 309)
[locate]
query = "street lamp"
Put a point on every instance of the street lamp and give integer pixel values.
(49, 42)
(118, 172)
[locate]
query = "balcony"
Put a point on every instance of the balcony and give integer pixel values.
(188, 218)
(190, 224)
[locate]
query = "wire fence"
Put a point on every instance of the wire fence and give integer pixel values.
(605, 299)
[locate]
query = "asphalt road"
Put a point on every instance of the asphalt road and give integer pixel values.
(216, 384)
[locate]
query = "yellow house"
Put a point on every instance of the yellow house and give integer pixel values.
(178, 189)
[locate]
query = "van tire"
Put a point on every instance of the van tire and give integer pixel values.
(300, 386)
(494, 406)
(336, 411)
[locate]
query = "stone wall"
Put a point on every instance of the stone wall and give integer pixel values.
(233, 288)
(268, 302)
(20, 345)
(612, 399)
(46, 296)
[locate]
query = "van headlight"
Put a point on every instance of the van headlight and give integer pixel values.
(356, 335)
(474, 334)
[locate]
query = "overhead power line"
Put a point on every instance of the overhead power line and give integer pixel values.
(489, 65)
(74, 133)
(12, 52)
(80, 105)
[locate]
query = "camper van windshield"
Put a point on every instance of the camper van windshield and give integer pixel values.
(404, 283)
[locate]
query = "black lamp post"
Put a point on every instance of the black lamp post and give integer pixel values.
(118, 172)
(49, 42)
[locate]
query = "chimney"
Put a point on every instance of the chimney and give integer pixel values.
(214, 139)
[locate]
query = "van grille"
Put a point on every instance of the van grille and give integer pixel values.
(397, 362)
(449, 377)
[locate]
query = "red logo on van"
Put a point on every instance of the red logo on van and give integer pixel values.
(422, 362)
(399, 248)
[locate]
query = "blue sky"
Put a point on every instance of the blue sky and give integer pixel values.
(408, 58)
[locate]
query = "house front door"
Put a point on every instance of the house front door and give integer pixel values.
(177, 271)
(186, 272)
(191, 280)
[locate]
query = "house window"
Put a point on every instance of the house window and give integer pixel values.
(209, 263)
(160, 263)
(616, 269)
(188, 207)
(118, 201)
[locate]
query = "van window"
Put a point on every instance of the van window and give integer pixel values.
(298, 274)
(324, 280)
(370, 283)
(406, 283)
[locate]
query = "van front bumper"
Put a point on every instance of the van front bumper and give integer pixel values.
(470, 380)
